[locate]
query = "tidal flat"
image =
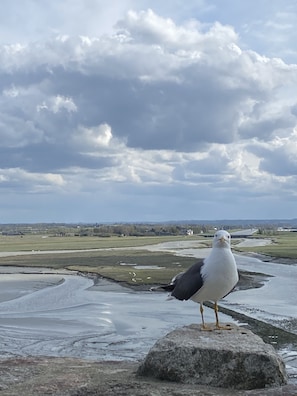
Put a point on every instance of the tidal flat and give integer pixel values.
(96, 304)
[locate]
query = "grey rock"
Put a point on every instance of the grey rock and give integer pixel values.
(235, 358)
(42, 375)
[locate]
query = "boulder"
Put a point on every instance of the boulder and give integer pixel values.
(235, 358)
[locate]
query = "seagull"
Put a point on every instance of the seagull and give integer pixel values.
(209, 279)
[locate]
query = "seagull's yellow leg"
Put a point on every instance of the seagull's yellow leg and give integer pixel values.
(203, 327)
(216, 309)
(218, 327)
(201, 311)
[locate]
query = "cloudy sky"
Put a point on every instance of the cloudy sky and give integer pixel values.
(137, 110)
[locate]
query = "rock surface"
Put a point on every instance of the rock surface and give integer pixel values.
(234, 358)
(76, 377)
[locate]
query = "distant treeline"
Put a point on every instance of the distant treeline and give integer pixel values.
(132, 229)
(105, 230)
(148, 230)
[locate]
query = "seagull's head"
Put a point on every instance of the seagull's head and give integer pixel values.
(222, 239)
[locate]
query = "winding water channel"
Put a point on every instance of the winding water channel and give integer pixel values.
(62, 314)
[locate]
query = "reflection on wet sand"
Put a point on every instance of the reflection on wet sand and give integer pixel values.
(77, 318)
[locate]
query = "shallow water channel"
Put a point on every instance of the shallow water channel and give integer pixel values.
(63, 314)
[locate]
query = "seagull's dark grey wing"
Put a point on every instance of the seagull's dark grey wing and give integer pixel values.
(189, 283)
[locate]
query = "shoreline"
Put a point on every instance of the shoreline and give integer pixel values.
(265, 258)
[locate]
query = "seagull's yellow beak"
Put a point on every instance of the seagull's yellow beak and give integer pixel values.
(222, 239)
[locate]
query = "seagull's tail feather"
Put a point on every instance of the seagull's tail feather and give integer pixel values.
(168, 287)
(170, 298)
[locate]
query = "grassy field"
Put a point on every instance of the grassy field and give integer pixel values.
(102, 259)
(119, 264)
(284, 245)
(40, 242)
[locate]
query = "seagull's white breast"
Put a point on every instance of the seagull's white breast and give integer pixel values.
(219, 275)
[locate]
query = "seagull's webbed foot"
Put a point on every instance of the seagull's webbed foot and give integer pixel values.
(220, 327)
(206, 328)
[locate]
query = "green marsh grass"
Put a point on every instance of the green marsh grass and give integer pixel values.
(42, 242)
(284, 245)
(116, 257)
(112, 257)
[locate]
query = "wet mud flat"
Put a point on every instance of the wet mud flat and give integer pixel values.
(66, 376)
(60, 375)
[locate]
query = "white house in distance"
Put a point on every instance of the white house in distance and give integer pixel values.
(287, 229)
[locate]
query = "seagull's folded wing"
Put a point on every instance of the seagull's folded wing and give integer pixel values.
(189, 283)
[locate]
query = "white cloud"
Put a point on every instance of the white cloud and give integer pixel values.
(19, 180)
(58, 103)
(159, 107)
(11, 92)
(96, 137)
(61, 102)
(278, 156)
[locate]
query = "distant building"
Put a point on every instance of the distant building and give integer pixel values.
(190, 232)
(244, 233)
(287, 229)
